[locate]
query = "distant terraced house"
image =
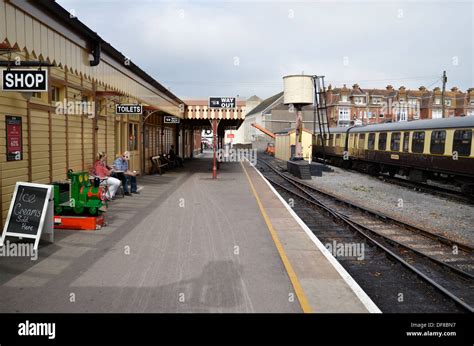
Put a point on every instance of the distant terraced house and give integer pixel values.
(349, 106)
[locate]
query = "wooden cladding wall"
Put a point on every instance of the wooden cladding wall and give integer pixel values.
(54, 142)
(46, 41)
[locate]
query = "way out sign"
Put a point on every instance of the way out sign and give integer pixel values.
(30, 214)
(25, 80)
(171, 120)
(221, 102)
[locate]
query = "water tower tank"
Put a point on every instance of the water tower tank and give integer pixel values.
(298, 89)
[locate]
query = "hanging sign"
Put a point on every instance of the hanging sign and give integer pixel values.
(222, 102)
(171, 120)
(25, 80)
(128, 109)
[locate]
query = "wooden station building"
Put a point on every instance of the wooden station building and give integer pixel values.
(85, 70)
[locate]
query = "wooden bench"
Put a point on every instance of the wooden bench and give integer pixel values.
(157, 165)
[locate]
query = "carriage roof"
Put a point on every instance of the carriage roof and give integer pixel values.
(426, 124)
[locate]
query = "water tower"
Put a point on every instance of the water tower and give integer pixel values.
(297, 92)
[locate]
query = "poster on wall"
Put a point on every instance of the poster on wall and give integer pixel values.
(14, 138)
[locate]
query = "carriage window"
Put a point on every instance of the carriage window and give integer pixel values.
(418, 142)
(338, 140)
(406, 140)
(395, 141)
(462, 142)
(382, 141)
(361, 140)
(371, 141)
(438, 139)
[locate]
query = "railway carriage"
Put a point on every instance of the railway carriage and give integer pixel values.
(438, 149)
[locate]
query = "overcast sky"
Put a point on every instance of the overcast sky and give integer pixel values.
(228, 48)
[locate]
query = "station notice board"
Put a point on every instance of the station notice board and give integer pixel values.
(30, 214)
(14, 138)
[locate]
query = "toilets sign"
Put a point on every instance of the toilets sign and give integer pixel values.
(221, 102)
(25, 80)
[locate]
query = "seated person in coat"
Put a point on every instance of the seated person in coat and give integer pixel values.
(127, 176)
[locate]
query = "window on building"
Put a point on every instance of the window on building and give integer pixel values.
(359, 100)
(406, 141)
(371, 141)
(438, 140)
(376, 100)
(395, 141)
(437, 101)
(338, 140)
(447, 102)
(36, 95)
(132, 137)
(470, 112)
(381, 116)
(382, 141)
(344, 98)
(55, 94)
(86, 107)
(344, 114)
(472, 102)
(402, 115)
(418, 142)
(402, 100)
(462, 142)
(436, 113)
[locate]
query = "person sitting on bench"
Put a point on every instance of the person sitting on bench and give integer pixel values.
(102, 172)
(175, 158)
(128, 176)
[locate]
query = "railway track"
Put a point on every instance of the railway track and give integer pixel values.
(435, 190)
(440, 262)
(444, 192)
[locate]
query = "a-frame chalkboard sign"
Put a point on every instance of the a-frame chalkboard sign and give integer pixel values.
(30, 214)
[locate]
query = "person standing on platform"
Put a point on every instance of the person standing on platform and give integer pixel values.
(128, 177)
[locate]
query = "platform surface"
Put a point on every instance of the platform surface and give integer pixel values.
(187, 243)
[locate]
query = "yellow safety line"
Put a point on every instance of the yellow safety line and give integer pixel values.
(289, 269)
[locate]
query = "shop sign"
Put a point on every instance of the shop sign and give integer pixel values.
(25, 80)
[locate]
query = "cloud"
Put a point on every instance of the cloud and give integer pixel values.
(204, 48)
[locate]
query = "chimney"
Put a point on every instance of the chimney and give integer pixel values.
(454, 89)
(389, 87)
(422, 88)
(355, 86)
(402, 88)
